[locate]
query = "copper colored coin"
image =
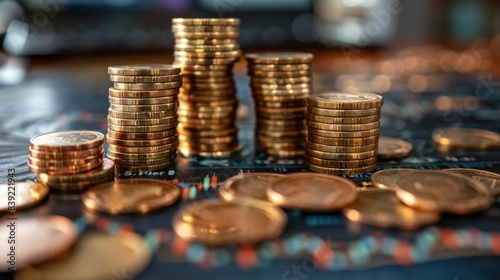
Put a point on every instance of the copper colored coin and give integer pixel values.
(389, 147)
(284, 154)
(66, 155)
(344, 134)
(344, 113)
(210, 153)
(58, 163)
(343, 127)
(341, 156)
(340, 149)
(248, 186)
(141, 143)
(104, 170)
(145, 79)
(340, 171)
(142, 122)
(141, 136)
(335, 163)
(26, 195)
(125, 164)
(142, 115)
(345, 142)
(281, 81)
(206, 48)
(66, 170)
(204, 28)
(144, 70)
(230, 54)
(278, 74)
(386, 179)
(205, 61)
(466, 138)
(144, 168)
(142, 129)
(72, 140)
(142, 93)
(489, 179)
(342, 120)
(147, 149)
(141, 156)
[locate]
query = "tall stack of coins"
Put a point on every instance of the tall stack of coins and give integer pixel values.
(70, 160)
(343, 132)
(142, 118)
(207, 49)
(280, 83)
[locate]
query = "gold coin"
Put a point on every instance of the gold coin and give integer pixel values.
(209, 87)
(143, 108)
(141, 136)
(204, 115)
(340, 149)
(386, 179)
(344, 113)
(440, 191)
(223, 153)
(230, 54)
(298, 92)
(341, 156)
(190, 69)
(205, 42)
(188, 79)
(95, 256)
(142, 115)
(281, 113)
(206, 48)
(280, 123)
(26, 194)
(142, 129)
(340, 171)
(281, 81)
(381, 208)
(343, 127)
(71, 140)
(256, 73)
(146, 86)
(280, 96)
(389, 147)
(279, 58)
(489, 179)
(138, 150)
(142, 93)
(345, 101)
(206, 147)
(207, 133)
(206, 123)
(66, 155)
(284, 154)
(124, 164)
(145, 79)
(312, 192)
(215, 222)
(342, 120)
(204, 28)
(206, 126)
(44, 163)
(142, 101)
(248, 186)
(144, 168)
(144, 70)
(131, 196)
(203, 35)
(141, 143)
(346, 134)
(335, 163)
(66, 170)
(105, 170)
(206, 21)
(282, 104)
(209, 141)
(204, 99)
(259, 86)
(282, 133)
(204, 61)
(346, 142)
(141, 156)
(142, 122)
(466, 138)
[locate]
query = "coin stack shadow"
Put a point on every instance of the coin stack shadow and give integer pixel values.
(142, 118)
(280, 83)
(70, 166)
(206, 50)
(343, 132)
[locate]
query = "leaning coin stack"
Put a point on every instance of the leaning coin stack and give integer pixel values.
(280, 83)
(206, 50)
(70, 160)
(343, 132)
(142, 118)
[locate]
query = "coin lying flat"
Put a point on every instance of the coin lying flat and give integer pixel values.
(250, 185)
(389, 147)
(96, 256)
(144, 70)
(337, 100)
(145, 79)
(385, 179)
(206, 21)
(280, 57)
(440, 191)
(131, 196)
(466, 138)
(26, 194)
(54, 235)
(67, 140)
(215, 222)
(312, 192)
(381, 208)
(489, 179)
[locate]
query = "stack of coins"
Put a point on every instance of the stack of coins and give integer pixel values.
(142, 118)
(70, 160)
(206, 50)
(280, 83)
(343, 132)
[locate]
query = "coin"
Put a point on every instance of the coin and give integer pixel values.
(26, 195)
(210, 153)
(56, 163)
(489, 179)
(95, 256)
(148, 149)
(341, 156)
(281, 81)
(389, 147)
(142, 115)
(340, 149)
(105, 170)
(74, 169)
(340, 101)
(280, 57)
(146, 86)
(312, 192)
(144, 70)
(204, 61)
(141, 156)
(54, 235)
(346, 134)
(335, 163)
(343, 127)
(71, 140)
(284, 153)
(144, 168)
(143, 108)
(142, 136)
(206, 21)
(142, 122)
(205, 42)
(142, 129)
(236, 53)
(340, 171)
(206, 48)
(255, 73)
(145, 79)
(281, 92)
(141, 143)
(344, 113)
(204, 28)
(216, 223)
(440, 191)
(146, 163)
(207, 133)
(131, 196)
(385, 179)
(142, 93)
(381, 208)
(295, 87)
(342, 120)
(79, 186)
(248, 186)
(346, 142)
(66, 155)
(466, 138)
(143, 101)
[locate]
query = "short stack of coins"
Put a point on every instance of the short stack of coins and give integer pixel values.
(142, 118)
(206, 50)
(70, 160)
(343, 132)
(280, 83)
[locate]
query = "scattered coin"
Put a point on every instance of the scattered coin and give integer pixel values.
(389, 147)
(489, 179)
(385, 179)
(26, 195)
(250, 185)
(466, 138)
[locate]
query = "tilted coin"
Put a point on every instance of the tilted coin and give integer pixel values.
(343, 127)
(344, 134)
(342, 100)
(340, 149)
(343, 113)
(466, 138)
(142, 115)
(381, 208)
(345, 142)
(312, 192)
(342, 120)
(146, 86)
(206, 21)
(340, 171)
(131, 196)
(141, 143)
(142, 122)
(25, 194)
(341, 156)
(149, 149)
(141, 136)
(440, 191)
(142, 129)
(143, 93)
(335, 163)
(143, 108)
(144, 70)
(142, 101)
(489, 179)
(145, 79)
(66, 155)
(248, 186)
(215, 222)
(389, 147)
(104, 170)
(71, 140)
(279, 57)
(386, 179)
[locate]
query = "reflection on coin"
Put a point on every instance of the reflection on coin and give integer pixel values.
(215, 222)
(342, 100)
(144, 70)
(36, 240)
(95, 256)
(381, 208)
(26, 194)
(131, 196)
(466, 138)
(440, 191)
(385, 179)
(489, 179)
(67, 140)
(389, 147)
(250, 185)
(312, 192)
